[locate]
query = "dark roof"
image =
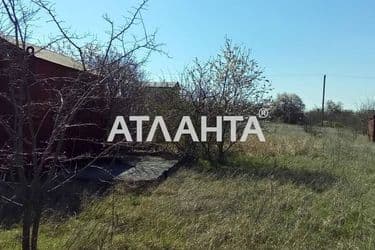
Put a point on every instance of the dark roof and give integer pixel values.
(51, 56)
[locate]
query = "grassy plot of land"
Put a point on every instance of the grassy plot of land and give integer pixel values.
(296, 191)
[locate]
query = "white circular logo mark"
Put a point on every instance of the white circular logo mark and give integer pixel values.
(263, 113)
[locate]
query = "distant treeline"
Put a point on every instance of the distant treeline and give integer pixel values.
(289, 108)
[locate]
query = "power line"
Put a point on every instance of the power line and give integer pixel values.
(353, 76)
(319, 75)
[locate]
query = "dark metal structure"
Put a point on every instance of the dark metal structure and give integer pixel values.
(371, 129)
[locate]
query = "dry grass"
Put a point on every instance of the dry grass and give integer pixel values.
(297, 191)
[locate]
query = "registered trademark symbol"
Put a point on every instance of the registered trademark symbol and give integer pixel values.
(263, 113)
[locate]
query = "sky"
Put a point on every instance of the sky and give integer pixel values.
(296, 42)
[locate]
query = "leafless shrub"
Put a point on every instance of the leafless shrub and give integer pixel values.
(230, 84)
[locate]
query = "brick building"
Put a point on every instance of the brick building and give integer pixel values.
(44, 73)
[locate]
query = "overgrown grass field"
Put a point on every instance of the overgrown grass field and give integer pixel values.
(296, 191)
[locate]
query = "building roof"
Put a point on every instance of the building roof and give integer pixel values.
(163, 84)
(57, 58)
(51, 56)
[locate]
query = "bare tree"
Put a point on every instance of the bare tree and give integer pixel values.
(16, 19)
(230, 84)
(36, 132)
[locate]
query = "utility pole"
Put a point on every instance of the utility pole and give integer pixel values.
(324, 96)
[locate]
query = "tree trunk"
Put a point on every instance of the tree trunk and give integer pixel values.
(221, 153)
(35, 231)
(26, 226)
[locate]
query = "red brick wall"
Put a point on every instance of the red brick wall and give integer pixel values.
(82, 137)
